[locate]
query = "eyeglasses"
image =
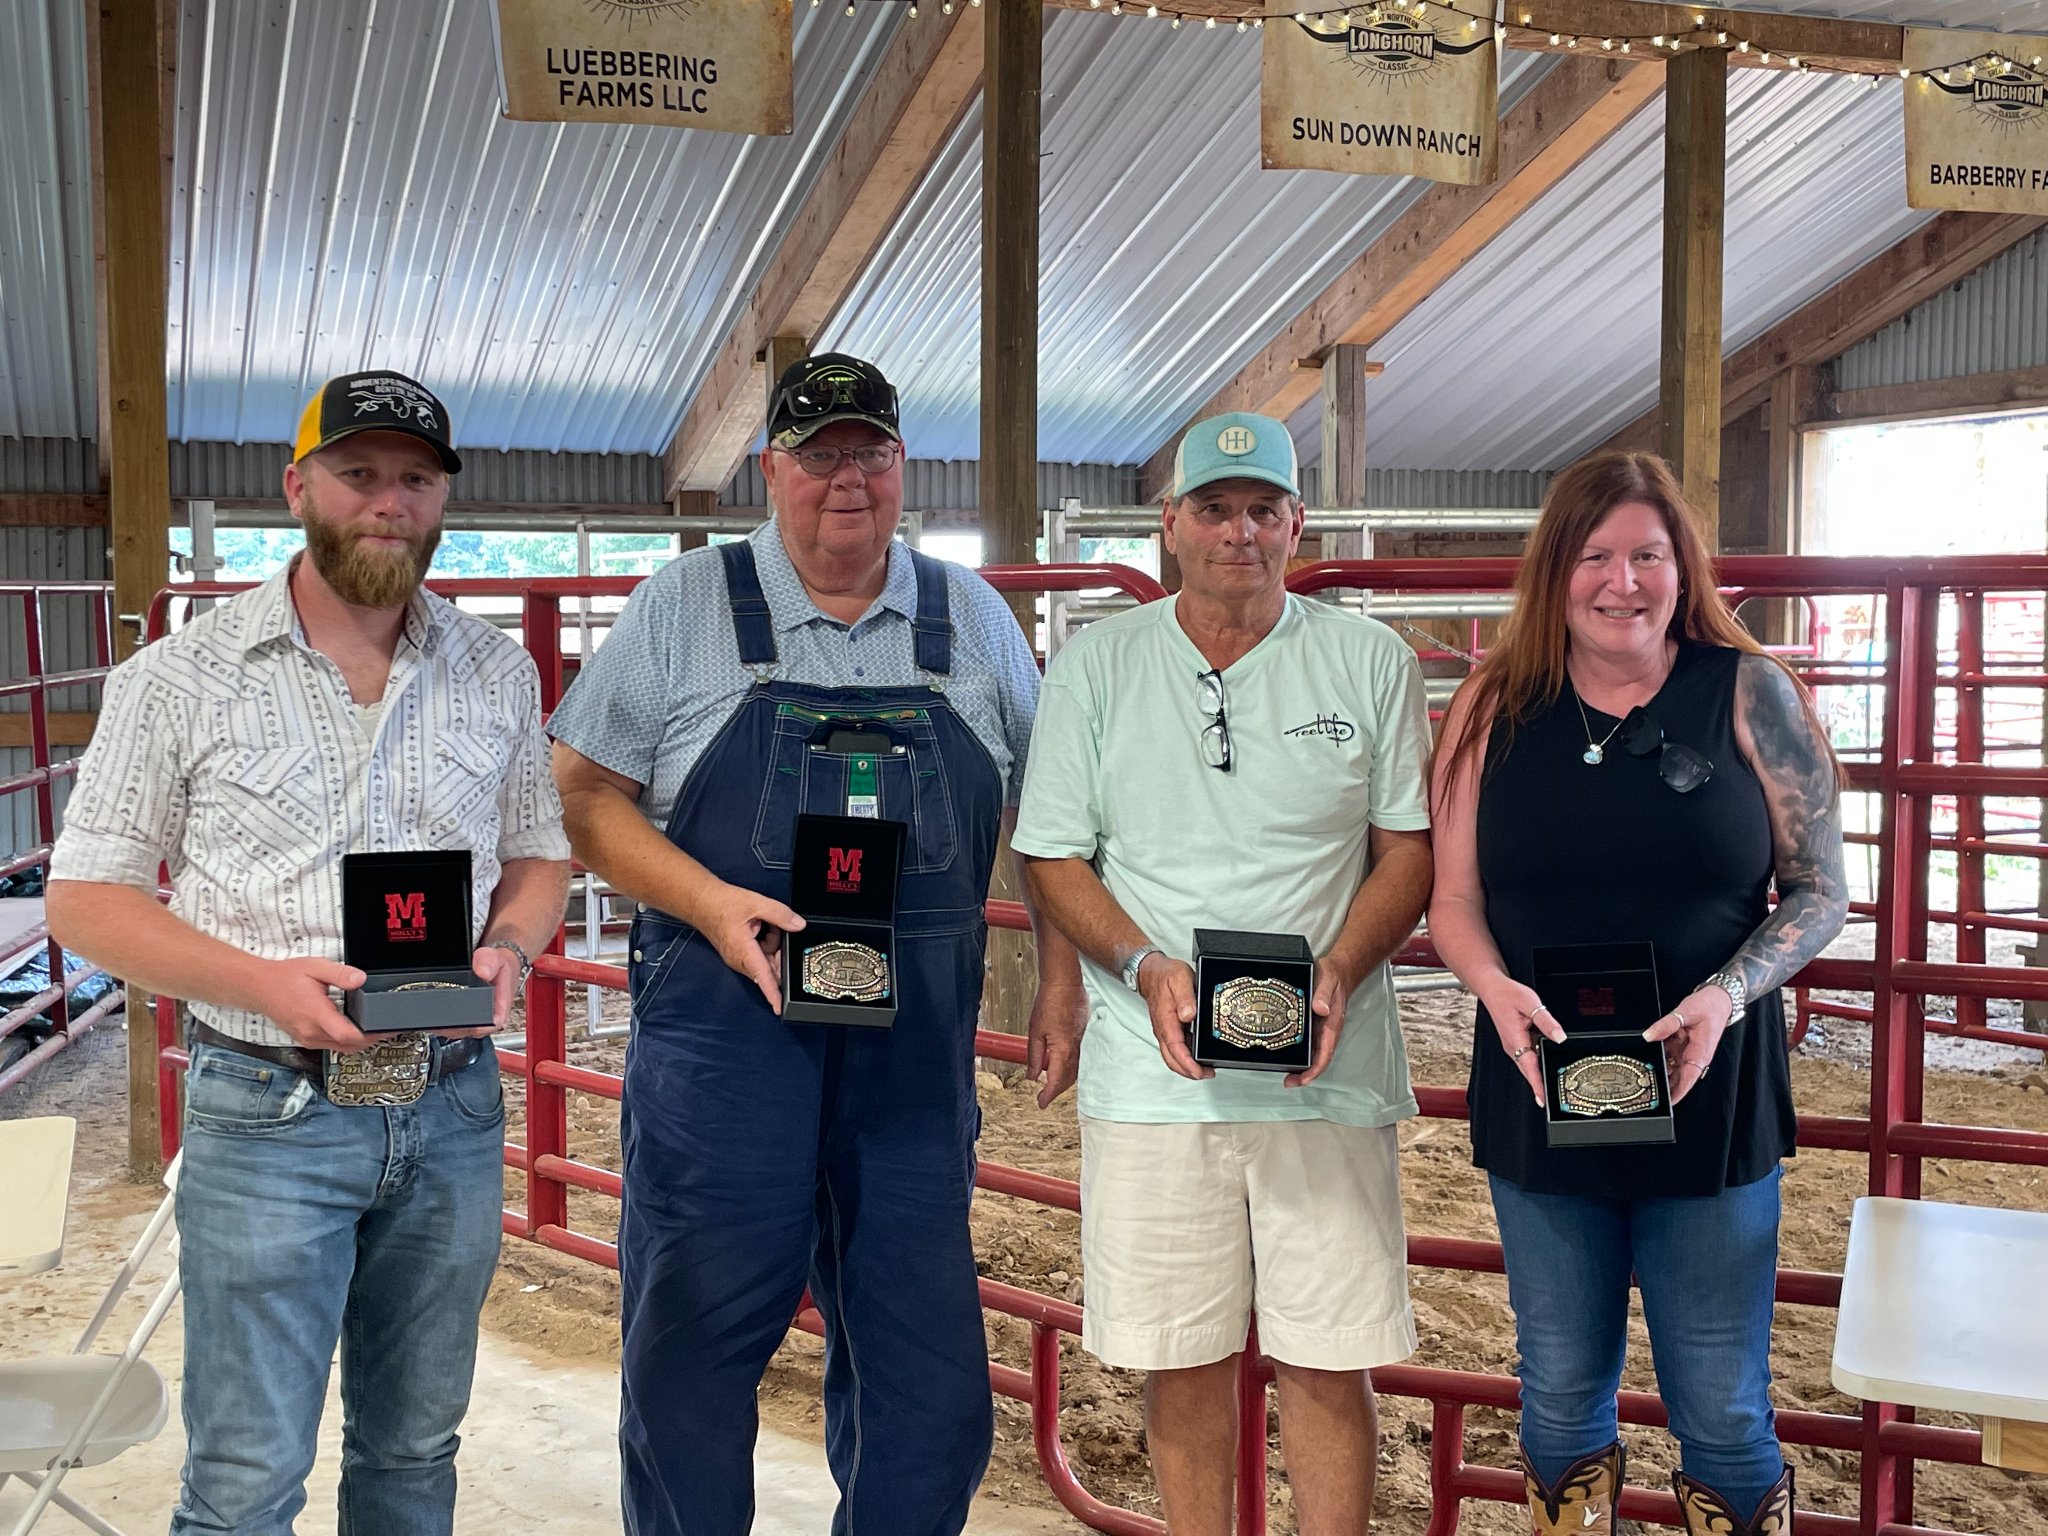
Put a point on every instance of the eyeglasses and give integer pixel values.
(1216, 734)
(823, 463)
(1684, 769)
(1215, 515)
(831, 387)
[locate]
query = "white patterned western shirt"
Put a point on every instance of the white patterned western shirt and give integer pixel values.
(232, 752)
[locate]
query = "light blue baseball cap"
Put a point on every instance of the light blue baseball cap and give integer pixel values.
(1237, 445)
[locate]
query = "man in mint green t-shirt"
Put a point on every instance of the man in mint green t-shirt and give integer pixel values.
(1238, 757)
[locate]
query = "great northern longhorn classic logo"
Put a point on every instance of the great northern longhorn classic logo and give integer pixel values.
(2005, 92)
(1395, 46)
(634, 12)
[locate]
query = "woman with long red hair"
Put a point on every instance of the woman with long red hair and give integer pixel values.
(1628, 765)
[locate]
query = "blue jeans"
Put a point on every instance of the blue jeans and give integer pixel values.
(301, 1224)
(1707, 1267)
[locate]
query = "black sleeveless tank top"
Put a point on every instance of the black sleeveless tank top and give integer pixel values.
(1579, 853)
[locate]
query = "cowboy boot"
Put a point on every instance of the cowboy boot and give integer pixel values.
(1582, 1503)
(1706, 1513)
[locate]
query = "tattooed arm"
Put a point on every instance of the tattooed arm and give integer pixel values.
(1792, 763)
(1777, 739)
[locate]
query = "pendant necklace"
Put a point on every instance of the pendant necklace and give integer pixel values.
(1595, 750)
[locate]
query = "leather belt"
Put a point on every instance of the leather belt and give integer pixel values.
(450, 1056)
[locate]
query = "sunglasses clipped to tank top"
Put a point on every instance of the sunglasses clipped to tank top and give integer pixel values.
(1683, 768)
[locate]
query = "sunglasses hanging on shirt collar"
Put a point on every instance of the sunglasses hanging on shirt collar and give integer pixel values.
(1681, 767)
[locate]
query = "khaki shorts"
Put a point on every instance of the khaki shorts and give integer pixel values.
(1185, 1227)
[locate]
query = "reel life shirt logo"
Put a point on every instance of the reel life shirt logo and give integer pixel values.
(405, 916)
(842, 870)
(1976, 122)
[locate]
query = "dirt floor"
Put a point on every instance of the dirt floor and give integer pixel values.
(562, 1313)
(1463, 1319)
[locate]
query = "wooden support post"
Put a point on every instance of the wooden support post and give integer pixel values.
(780, 352)
(1695, 177)
(1345, 371)
(129, 54)
(1013, 48)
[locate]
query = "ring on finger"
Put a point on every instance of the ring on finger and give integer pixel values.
(1520, 1052)
(1696, 1064)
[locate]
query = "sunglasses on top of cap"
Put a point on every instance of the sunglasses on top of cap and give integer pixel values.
(1682, 768)
(834, 388)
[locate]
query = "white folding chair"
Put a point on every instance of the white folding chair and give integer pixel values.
(58, 1412)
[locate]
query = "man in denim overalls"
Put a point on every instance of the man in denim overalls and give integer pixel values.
(762, 1155)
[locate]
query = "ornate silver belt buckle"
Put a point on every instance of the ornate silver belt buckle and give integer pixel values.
(850, 971)
(1260, 1014)
(390, 1072)
(1607, 1085)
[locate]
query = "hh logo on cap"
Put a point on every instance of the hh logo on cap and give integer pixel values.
(1237, 441)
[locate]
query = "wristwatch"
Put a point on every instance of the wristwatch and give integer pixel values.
(525, 964)
(1738, 994)
(1135, 961)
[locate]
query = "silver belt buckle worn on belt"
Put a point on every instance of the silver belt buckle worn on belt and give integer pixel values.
(393, 1072)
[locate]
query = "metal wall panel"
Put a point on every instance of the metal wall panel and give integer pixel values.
(1440, 487)
(65, 464)
(241, 471)
(47, 319)
(931, 485)
(1993, 320)
(351, 199)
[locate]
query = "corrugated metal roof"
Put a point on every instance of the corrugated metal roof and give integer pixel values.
(47, 320)
(1546, 342)
(347, 192)
(1168, 258)
(1994, 319)
(352, 199)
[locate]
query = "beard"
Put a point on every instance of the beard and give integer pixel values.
(360, 576)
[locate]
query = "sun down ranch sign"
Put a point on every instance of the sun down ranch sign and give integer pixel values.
(1396, 92)
(1976, 122)
(721, 64)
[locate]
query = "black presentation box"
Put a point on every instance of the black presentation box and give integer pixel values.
(1253, 993)
(842, 881)
(405, 919)
(1603, 996)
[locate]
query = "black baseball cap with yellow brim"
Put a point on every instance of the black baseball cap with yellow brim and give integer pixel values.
(375, 402)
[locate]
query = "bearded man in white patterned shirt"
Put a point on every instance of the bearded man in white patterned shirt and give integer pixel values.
(336, 709)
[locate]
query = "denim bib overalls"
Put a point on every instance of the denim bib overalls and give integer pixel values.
(761, 1156)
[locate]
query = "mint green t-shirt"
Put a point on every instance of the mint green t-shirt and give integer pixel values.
(1329, 735)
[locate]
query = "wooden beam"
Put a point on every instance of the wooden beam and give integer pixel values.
(1872, 47)
(56, 509)
(1970, 394)
(1571, 110)
(129, 41)
(68, 728)
(1345, 371)
(1792, 404)
(918, 94)
(1695, 195)
(1013, 62)
(1945, 250)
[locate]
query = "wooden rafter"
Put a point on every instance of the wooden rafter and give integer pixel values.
(1942, 251)
(1571, 111)
(916, 97)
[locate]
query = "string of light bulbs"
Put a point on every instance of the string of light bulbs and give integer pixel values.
(1702, 35)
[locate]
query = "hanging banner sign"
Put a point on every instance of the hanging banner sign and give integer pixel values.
(719, 64)
(1977, 122)
(1397, 92)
